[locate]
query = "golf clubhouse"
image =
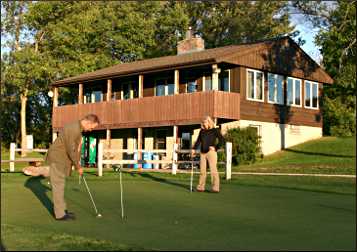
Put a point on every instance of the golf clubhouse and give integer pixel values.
(271, 85)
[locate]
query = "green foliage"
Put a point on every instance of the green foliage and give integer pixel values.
(245, 145)
(338, 48)
(232, 22)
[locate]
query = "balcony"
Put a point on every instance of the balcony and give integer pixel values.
(180, 109)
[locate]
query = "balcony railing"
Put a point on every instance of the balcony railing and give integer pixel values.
(181, 109)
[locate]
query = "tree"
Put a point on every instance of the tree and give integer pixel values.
(338, 48)
(232, 22)
(13, 27)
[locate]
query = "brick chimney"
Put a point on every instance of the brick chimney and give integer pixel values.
(190, 43)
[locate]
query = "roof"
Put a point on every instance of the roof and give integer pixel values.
(207, 56)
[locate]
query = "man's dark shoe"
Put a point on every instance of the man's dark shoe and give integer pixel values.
(66, 217)
(69, 213)
(214, 191)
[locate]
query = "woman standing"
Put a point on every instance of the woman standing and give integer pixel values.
(208, 138)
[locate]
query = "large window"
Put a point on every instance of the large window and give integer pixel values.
(255, 87)
(164, 87)
(311, 94)
(275, 88)
(223, 81)
(294, 92)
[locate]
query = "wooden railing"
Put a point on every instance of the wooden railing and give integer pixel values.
(188, 108)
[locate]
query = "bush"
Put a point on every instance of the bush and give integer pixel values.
(245, 145)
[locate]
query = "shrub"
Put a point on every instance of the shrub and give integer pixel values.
(245, 145)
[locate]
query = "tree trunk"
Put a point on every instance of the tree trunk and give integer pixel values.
(23, 123)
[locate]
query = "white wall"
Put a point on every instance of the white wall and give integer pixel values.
(273, 133)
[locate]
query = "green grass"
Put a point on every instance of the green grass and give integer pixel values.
(250, 213)
(328, 155)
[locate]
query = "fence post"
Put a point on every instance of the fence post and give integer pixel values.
(228, 160)
(12, 156)
(174, 159)
(100, 159)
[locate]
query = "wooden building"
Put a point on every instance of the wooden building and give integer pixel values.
(272, 85)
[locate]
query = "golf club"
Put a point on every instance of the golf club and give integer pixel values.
(191, 182)
(90, 195)
(121, 194)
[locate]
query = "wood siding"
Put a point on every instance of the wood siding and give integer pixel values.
(267, 112)
(181, 109)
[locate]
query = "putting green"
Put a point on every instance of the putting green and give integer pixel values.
(250, 213)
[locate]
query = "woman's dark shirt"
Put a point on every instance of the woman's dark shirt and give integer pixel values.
(209, 137)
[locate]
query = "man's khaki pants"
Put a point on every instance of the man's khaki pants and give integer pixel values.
(58, 180)
(211, 157)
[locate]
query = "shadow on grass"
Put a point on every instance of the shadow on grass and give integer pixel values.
(319, 154)
(162, 180)
(2, 246)
(35, 185)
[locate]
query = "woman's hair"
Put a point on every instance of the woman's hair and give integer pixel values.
(92, 118)
(209, 120)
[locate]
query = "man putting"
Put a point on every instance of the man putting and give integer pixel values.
(61, 155)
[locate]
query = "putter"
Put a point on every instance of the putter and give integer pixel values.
(191, 182)
(121, 194)
(90, 195)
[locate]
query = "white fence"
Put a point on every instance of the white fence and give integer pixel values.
(174, 161)
(101, 161)
(13, 159)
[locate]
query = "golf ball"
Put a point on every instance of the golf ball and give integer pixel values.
(99, 215)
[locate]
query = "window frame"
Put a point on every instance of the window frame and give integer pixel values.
(301, 100)
(275, 88)
(312, 83)
(254, 85)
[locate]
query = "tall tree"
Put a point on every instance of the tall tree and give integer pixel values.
(338, 48)
(13, 28)
(232, 22)
(337, 39)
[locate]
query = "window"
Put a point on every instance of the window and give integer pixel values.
(164, 87)
(93, 95)
(294, 92)
(171, 88)
(223, 80)
(275, 88)
(311, 94)
(160, 139)
(255, 88)
(191, 86)
(160, 88)
(208, 83)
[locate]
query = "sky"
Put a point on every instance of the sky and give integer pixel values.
(307, 32)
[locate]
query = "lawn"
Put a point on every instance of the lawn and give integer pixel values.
(250, 213)
(328, 155)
